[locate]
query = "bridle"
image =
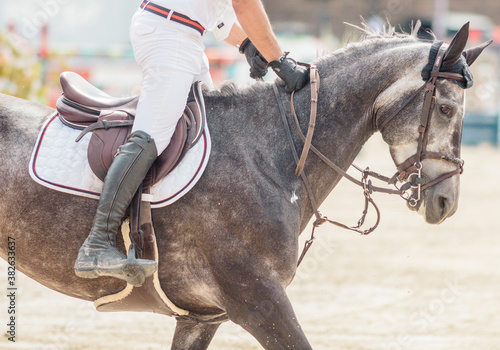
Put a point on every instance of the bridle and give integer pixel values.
(410, 170)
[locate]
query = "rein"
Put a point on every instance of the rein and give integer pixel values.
(366, 184)
(410, 170)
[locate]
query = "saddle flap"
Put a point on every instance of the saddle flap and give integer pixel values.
(59, 163)
(193, 124)
(104, 143)
(196, 107)
(169, 158)
(83, 106)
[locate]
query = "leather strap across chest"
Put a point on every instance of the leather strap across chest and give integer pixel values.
(320, 219)
(314, 81)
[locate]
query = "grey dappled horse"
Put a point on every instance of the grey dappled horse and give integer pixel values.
(231, 244)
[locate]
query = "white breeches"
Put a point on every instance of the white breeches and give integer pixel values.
(171, 57)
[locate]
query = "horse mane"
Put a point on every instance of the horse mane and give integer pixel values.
(231, 89)
(375, 38)
(390, 32)
(369, 37)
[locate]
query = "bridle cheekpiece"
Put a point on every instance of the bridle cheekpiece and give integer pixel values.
(411, 169)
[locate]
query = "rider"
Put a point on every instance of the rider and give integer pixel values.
(166, 36)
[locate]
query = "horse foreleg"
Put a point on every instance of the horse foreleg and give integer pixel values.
(193, 335)
(269, 317)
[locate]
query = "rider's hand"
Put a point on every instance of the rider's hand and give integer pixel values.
(258, 64)
(294, 75)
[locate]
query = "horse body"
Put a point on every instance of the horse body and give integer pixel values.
(231, 244)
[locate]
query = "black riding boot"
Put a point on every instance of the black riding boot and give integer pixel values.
(99, 256)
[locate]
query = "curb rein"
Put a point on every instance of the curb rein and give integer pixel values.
(410, 170)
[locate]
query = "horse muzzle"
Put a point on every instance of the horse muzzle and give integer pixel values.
(437, 202)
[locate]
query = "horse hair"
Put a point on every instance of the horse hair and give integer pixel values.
(369, 37)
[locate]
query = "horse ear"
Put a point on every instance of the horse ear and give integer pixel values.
(457, 46)
(474, 52)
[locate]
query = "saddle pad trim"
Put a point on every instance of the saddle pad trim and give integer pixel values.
(161, 198)
(47, 183)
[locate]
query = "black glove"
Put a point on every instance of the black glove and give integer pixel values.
(294, 75)
(257, 62)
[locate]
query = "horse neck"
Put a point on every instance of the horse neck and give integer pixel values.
(350, 85)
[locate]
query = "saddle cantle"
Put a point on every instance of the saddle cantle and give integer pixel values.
(83, 106)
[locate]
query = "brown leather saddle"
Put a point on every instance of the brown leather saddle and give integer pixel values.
(83, 106)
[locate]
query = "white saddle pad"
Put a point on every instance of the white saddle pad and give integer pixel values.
(60, 163)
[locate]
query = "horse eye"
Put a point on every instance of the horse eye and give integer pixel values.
(445, 110)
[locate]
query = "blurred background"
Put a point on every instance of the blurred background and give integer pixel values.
(407, 286)
(40, 39)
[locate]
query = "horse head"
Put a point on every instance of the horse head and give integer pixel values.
(423, 125)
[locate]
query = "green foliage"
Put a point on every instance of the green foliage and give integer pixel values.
(20, 68)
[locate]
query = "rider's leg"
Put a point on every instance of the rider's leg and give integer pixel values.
(170, 56)
(99, 256)
(204, 75)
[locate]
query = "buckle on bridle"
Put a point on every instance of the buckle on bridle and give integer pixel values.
(414, 182)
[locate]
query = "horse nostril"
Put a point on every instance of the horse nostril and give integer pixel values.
(443, 203)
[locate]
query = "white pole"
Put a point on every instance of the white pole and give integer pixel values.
(440, 18)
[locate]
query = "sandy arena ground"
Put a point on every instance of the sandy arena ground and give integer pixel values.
(408, 285)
